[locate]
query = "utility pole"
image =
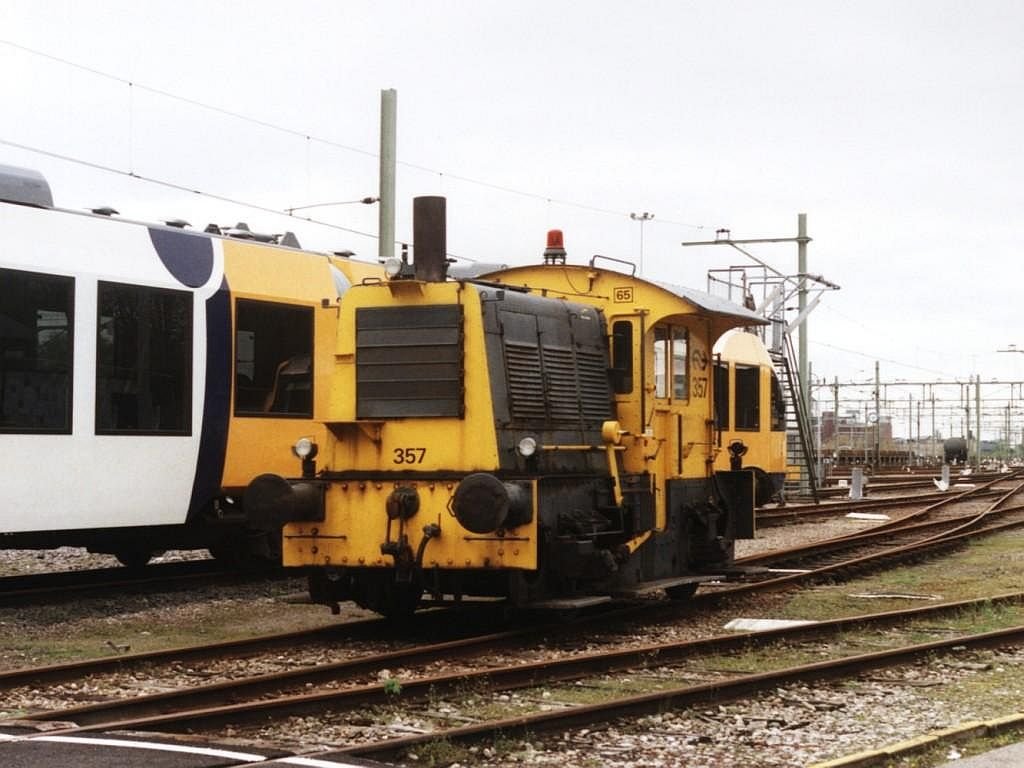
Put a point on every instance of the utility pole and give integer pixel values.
(388, 162)
(977, 418)
(878, 417)
(932, 393)
(801, 268)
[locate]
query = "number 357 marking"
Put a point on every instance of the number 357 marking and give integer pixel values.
(700, 386)
(409, 455)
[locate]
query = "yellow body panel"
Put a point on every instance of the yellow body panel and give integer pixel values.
(259, 444)
(357, 521)
(466, 444)
(358, 524)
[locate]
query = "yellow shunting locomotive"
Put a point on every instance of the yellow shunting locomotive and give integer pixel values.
(539, 433)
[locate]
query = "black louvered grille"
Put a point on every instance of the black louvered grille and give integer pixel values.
(525, 387)
(562, 392)
(557, 386)
(594, 391)
(409, 361)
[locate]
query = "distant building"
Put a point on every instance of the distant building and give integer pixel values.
(851, 438)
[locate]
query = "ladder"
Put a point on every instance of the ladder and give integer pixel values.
(799, 445)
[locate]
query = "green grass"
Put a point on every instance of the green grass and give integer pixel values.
(985, 567)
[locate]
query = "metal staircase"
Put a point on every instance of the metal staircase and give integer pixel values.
(801, 477)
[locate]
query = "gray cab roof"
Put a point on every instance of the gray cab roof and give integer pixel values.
(711, 303)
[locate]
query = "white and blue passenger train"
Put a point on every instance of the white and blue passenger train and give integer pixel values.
(142, 369)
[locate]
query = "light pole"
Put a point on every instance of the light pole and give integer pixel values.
(641, 217)
(363, 200)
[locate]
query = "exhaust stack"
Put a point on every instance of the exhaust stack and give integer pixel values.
(429, 233)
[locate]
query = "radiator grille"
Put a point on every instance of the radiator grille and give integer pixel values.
(558, 386)
(409, 361)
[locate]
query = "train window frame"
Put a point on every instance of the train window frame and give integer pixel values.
(66, 363)
(747, 405)
(680, 381)
(777, 408)
(722, 394)
(185, 305)
(290, 365)
(667, 339)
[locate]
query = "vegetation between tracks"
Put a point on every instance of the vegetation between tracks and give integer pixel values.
(93, 628)
(985, 567)
(972, 684)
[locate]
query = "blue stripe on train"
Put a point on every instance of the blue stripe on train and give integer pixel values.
(187, 256)
(217, 403)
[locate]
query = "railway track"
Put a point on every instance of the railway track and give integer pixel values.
(757, 569)
(55, 587)
(354, 685)
(891, 483)
(908, 537)
(485, 680)
(799, 513)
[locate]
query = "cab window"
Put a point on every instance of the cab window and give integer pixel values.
(622, 357)
(778, 406)
(748, 397)
(722, 395)
(670, 362)
(273, 359)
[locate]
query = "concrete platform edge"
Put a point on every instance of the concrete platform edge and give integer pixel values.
(970, 729)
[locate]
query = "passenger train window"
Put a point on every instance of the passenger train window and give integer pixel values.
(670, 361)
(273, 359)
(36, 343)
(143, 360)
(748, 397)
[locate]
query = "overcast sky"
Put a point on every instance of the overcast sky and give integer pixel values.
(895, 126)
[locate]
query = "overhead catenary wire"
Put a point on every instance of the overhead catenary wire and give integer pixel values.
(178, 187)
(309, 137)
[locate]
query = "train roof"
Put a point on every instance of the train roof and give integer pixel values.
(710, 303)
(740, 346)
(24, 186)
(570, 279)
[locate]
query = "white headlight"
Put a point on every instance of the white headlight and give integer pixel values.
(303, 448)
(527, 447)
(392, 267)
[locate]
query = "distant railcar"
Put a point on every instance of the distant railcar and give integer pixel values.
(750, 409)
(954, 450)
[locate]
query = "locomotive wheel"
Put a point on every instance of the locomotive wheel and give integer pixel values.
(402, 601)
(254, 549)
(681, 591)
(135, 557)
(383, 595)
